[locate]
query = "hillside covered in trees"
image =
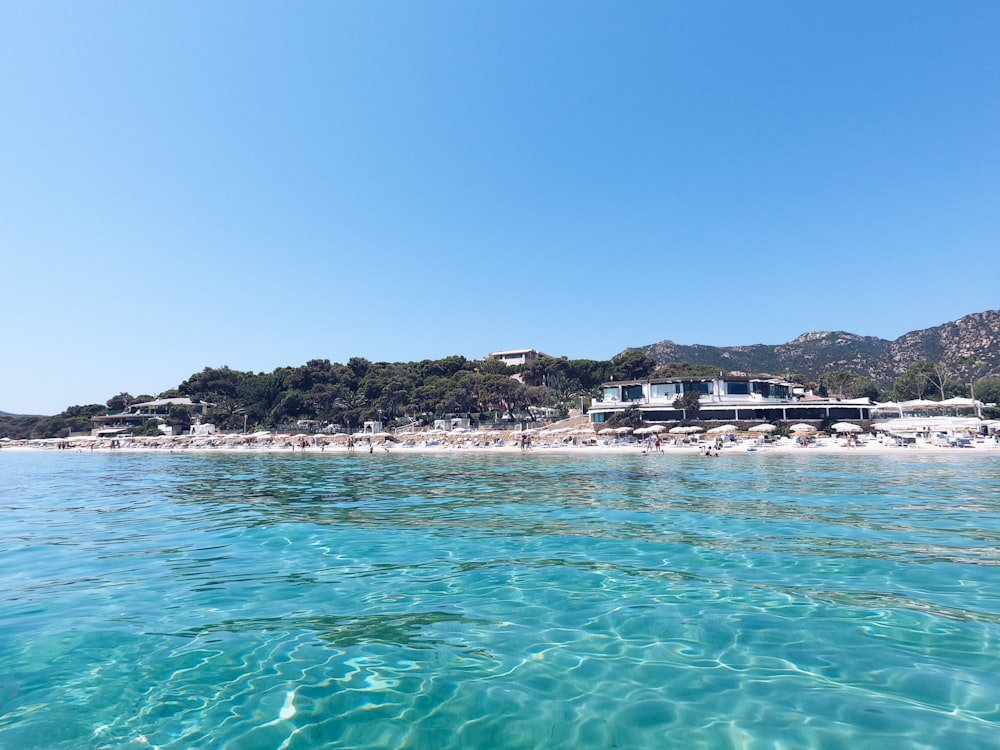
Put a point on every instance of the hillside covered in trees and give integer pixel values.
(330, 394)
(348, 394)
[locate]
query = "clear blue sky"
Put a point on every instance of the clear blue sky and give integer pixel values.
(200, 184)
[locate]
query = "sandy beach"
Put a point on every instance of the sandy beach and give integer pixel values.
(506, 443)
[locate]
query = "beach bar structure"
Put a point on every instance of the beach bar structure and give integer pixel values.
(729, 398)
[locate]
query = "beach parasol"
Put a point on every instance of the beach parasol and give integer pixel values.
(887, 405)
(722, 428)
(763, 428)
(845, 427)
(919, 403)
(802, 427)
(957, 402)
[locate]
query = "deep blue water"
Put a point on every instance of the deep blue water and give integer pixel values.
(499, 601)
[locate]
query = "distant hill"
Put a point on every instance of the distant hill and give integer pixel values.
(969, 345)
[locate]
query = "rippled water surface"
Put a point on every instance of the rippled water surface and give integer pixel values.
(504, 601)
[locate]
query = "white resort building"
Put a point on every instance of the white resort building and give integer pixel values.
(724, 398)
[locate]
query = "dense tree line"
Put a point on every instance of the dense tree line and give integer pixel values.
(400, 392)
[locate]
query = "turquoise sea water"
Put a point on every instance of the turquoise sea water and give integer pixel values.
(499, 601)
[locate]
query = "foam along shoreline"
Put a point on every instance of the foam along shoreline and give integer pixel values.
(509, 442)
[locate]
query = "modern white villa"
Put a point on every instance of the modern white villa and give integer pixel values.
(728, 398)
(513, 357)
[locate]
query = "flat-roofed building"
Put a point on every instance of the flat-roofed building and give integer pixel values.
(721, 398)
(516, 356)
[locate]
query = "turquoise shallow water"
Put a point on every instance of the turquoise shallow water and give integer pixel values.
(499, 601)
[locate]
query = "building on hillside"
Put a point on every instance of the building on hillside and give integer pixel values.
(139, 413)
(723, 398)
(516, 356)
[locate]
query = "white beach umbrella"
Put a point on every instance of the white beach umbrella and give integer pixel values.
(606, 431)
(845, 427)
(887, 405)
(763, 428)
(802, 427)
(623, 430)
(919, 403)
(723, 428)
(657, 428)
(959, 402)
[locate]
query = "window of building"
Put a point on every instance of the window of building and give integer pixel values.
(664, 390)
(631, 392)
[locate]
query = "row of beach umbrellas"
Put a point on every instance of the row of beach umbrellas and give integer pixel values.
(725, 428)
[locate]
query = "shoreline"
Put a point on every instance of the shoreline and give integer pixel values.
(290, 446)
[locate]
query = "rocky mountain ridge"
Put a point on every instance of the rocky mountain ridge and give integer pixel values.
(969, 346)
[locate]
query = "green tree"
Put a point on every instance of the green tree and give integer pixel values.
(213, 384)
(502, 394)
(632, 364)
(120, 402)
(292, 405)
(845, 384)
(460, 396)
(686, 370)
(258, 395)
(690, 403)
(628, 417)
(987, 390)
(151, 428)
(493, 367)
(349, 405)
(915, 382)
(564, 388)
(313, 373)
(179, 417)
